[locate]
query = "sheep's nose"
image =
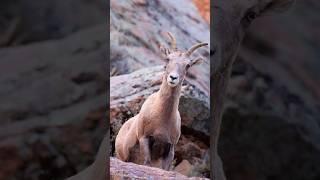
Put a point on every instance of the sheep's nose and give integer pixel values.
(173, 77)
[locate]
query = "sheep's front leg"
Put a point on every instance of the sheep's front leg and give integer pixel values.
(144, 148)
(166, 162)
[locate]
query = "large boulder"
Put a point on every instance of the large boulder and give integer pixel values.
(53, 105)
(271, 127)
(22, 22)
(268, 130)
(120, 170)
(129, 91)
(137, 28)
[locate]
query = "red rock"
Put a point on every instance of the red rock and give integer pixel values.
(184, 167)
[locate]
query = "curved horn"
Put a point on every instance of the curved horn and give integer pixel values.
(194, 47)
(173, 41)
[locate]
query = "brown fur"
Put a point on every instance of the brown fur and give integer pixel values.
(227, 34)
(157, 126)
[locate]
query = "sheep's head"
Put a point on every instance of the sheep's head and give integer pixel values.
(178, 62)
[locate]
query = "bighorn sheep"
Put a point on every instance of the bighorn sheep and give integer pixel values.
(156, 128)
(231, 19)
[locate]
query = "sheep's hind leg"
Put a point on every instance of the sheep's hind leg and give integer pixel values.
(166, 161)
(144, 148)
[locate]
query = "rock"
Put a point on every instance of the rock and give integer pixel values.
(204, 8)
(183, 168)
(120, 169)
(190, 150)
(140, 2)
(276, 126)
(48, 72)
(57, 90)
(137, 28)
(9, 156)
(59, 85)
(136, 32)
(46, 20)
(129, 91)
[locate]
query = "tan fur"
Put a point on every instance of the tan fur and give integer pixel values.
(125, 134)
(226, 40)
(159, 116)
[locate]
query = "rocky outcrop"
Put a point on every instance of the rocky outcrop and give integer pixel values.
(45, 68)
(271, 127)
(53, 105)
(23, 22)
(129, 91)
(267, 129)
(137, 29)
(59, 85)
(184, 167)
(271, 92)
(271, 124)
(120, 170)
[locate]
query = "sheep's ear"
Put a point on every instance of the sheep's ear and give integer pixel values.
(279, 5)
(197, 60)
(165, 51)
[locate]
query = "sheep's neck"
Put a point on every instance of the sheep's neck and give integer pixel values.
(169, 97)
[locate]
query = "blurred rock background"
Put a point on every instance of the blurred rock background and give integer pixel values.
(52, 87)
(271, 127)
(53, 81)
